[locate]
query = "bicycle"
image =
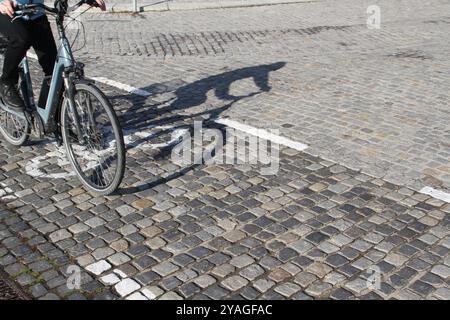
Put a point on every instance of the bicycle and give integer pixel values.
(76, 112)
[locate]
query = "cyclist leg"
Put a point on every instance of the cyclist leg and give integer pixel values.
(43, 44)
(19, 41)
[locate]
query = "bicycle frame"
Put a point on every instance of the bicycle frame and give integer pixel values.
(63, 65)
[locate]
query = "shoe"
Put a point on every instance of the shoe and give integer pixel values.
(11, 96)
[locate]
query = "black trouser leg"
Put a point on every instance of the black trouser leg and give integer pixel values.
(21, 36)
(18, 44)
(43, 44)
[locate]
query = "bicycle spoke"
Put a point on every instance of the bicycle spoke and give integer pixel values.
(13, 126)
(96, 154)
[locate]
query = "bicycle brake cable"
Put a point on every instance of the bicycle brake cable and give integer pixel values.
(78, 30)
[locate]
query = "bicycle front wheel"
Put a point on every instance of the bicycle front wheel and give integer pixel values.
(98, 156)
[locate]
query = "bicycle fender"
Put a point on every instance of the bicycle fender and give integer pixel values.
(84, 81)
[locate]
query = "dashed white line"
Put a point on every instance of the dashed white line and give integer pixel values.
(122, 86)
(437, 194)
(264, 134)
(112, 83)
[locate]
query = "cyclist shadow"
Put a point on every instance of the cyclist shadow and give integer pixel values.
(166, 114)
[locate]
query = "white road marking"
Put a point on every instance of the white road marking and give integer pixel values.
(264, 134)
(437, 194)
(122, 86)
(132, 139)
(112, 83)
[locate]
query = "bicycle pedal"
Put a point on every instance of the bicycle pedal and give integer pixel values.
(20, 114)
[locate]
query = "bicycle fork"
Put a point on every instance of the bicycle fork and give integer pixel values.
(70, 92)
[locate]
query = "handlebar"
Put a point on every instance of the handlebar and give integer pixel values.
(31, 9)
(28, 10)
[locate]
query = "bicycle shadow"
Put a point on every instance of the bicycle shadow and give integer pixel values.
(189, 96)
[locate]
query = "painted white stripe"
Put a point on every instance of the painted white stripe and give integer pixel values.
(437, 194)
(112, 83)
(264, 134)
(133, 139)
(122, 86)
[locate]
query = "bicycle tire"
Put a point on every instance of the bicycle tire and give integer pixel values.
(118, 135)
(26, 131)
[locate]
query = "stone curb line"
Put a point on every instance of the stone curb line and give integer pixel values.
(177, 6)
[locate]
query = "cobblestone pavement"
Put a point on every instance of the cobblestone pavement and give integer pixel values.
(339, 77)
(332, 216)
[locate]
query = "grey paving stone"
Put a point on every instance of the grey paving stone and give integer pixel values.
(50, 296)
(170, 283)
(165, 268)
(216, 292)
(442, 271)
(118, 259)
(148, 277)
(234, 283)
(304, 279)
(38, 290)
(341, 294)
(442, 293)
(287, 289)
(252, 272)
(421, 288)
(204, 281)
(241, 261)
(336, 260)
(189, 289)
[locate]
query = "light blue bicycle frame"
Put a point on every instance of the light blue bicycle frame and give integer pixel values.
(64, 61)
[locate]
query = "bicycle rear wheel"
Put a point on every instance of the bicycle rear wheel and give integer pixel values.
(15, 128)
(99, 159)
